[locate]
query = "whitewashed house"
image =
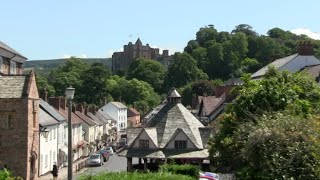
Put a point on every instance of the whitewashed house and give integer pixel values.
(62, 135)
(116, 111)
(48, 145)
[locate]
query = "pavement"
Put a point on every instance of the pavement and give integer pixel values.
(63, 172)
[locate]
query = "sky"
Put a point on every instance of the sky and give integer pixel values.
(51, 29)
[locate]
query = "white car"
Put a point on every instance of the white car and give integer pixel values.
(95, 160)
(109, 149)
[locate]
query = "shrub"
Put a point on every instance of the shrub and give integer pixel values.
(7, 175)
(186, 169)
(136, 176)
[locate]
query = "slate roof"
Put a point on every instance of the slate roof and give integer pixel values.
(45, 119)
(118, 104)
(105, 117)
(8, 48)
(152, 133)
(175, 93)
(174, 116)
(314, 71)
(14, 86)
(132, 112)
(51, 110)
(279, 63)
(96, 119)
(165, 153)
(85, 118)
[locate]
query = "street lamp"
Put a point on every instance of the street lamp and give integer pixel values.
(69, 95)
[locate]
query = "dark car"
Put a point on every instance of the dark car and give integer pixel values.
(104, 153)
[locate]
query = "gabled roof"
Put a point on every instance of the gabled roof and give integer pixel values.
(132, 112)
(14, 86)
(96, 119)
(45, 119)
(132, 134)
(152, 133)
(85, 118)
(49, 109)
(210, 103)
(178, 131)
(104, 116)
(118, 104)
(8, 48)
(174, 116)
(281, 64)
(74, 118)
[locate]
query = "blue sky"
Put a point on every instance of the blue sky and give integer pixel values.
(43, 29)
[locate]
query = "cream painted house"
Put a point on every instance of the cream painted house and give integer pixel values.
(116, 111)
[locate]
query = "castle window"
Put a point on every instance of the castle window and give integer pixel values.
(180, 144)
(143, 143)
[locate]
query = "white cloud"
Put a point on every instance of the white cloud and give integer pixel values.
(111, 51)
(82, 55)
(308, 32)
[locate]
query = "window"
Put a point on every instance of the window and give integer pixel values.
(54, 134)
(143, 143)
(6, 121)
(1, 62)
(180, 144)
(13, 67)
(50, 134)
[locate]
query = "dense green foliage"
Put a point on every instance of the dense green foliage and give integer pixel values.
(43, 85)
(149, 71)
(7, 175)
(271, 131)
(185, 169)
(137, 176)
(223, 55)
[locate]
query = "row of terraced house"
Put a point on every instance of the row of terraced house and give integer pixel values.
(33, 130)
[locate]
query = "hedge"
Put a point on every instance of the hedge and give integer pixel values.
(186, 169)
(136, 176)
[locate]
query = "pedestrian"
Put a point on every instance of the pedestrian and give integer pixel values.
(54, 171)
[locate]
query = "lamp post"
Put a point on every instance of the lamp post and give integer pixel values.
(69, 95)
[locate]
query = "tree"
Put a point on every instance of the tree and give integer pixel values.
(200, 55)
(93, 88)
(192, 44)
(150, 71)
(244, 28)
(184, 70)
(43, 85)
(266, 132)
(205, 34)
(202, 87)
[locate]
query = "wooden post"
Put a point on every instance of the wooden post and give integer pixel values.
(145, 162)
(129, 163)
(200, 163)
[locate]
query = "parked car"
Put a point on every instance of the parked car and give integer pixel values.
(104, 153)
(95, 160)
(208, 176)
(110, 150)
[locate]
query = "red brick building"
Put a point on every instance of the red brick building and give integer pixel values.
(133, 118)
(19, 126)
(10, 61)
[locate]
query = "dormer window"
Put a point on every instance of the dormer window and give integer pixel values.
(13, 67)
(143, 143)
(180, 144)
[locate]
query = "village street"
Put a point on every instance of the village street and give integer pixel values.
(114, 164)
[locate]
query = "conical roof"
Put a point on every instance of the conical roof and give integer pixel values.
(174, 94)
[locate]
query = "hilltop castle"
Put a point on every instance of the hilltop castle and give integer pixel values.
(122, 60)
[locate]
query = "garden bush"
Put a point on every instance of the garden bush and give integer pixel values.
(186, 169)
(137, 176)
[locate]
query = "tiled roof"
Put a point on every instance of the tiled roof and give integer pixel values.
(118, 104)
(13, 86)
(210, 103)
(45, 119)
(314, 71)
(6, 47)
(85, 118)
(276, 63)
(132, 112)
(175, 93)
(96, 119)
(74, 118)
(174, 116)
(165, 153)
(49, 109)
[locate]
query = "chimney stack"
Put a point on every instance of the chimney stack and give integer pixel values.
(79, 108)
(92, 109)
(55, 102)
(305, 49)
(73, 108)
(63, 103)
